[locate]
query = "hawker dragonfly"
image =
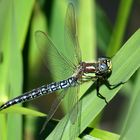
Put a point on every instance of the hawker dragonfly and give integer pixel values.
(76, 71)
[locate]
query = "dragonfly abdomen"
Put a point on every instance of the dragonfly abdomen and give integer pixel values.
(45, 89)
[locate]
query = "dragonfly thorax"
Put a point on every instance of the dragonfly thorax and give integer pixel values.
(86, 71)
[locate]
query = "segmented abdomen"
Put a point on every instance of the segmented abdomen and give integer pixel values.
(45, 89)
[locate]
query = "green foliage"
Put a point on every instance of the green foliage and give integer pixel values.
(120, 26)
(104, 135)
(14, 25)
(94, 29)
(120, 63)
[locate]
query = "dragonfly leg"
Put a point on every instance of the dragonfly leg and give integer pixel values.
(86, 78)
(98, 93)
(113, 86)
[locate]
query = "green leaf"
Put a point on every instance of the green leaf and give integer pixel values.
(23, 111)
(131, 127)
(120, 25)
(103, 29)
(104, 135)
(86, 29)
(14, 19)
(57, 24)
(38, 22)
(125, 63)
(3, 130)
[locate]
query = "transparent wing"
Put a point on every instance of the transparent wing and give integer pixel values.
(58, 65)
(73, 110)
(71, 36)
(72, 46)
(72, 113)
(73, 100)
(69, 91)
(75, 114)
(54, 108)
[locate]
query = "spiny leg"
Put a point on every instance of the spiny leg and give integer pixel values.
(98, 93)
(95, 78)
(113, 86)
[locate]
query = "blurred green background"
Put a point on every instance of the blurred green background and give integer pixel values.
(103, 28)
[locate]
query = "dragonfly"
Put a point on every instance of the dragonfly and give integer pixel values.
(71, 70)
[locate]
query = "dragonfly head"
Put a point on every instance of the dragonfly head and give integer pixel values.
(104, 66)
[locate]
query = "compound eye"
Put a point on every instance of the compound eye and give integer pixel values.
(102, 67)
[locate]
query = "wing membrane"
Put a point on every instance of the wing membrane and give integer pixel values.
(54, 108)
(72, 44)
(75, 113)
(59, 66)
(71, 36)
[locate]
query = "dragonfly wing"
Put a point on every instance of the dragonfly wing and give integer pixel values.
(72, 46)
(75, 113)
(72, 114)
(59, 66)
(71, 36)
(73, 110)
(54, 107)
(72, 103)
